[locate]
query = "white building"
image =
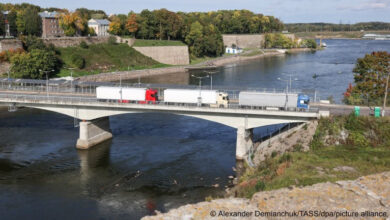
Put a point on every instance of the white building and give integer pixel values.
(100, 26)
(231, 50)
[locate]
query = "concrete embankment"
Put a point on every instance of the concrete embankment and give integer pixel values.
(363, 198)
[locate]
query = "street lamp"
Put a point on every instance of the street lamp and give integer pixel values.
(386, 91)
(200, 88)
(211, 77)
(71, 76)
(47, 80)
(288, 81)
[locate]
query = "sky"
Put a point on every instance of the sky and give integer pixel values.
(289, 11)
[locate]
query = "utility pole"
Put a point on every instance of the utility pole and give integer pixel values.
(386, 91)
(200, 88)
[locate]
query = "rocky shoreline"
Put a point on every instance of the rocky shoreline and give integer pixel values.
(363, 198)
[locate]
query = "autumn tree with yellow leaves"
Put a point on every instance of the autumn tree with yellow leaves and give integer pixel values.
(72, 23)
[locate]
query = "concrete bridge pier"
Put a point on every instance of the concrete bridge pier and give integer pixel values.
(93, 132)
(244, 142)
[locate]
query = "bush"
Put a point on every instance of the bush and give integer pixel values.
(260, 186)
(112, 40)
(310, 43)
(28, 65)
(83, 44)
(77, 61)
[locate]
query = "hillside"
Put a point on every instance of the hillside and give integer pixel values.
(106, 57)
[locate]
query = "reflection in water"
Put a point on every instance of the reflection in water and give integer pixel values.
(96, 157)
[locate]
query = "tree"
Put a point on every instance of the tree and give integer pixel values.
(11, 17)
(73, 24)
(2, 25)
(131, 24)
(194, 39)
(370, 76)
(115, 26)
(28, 65)
(29, 22)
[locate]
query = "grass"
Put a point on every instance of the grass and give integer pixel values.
(254, 52)
(149, 43)
(105, 58)
(367, 153)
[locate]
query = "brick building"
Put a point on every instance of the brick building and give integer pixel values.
(50, 25)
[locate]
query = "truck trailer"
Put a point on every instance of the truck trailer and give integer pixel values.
(213, 98)
(274, 100)
(139, 95)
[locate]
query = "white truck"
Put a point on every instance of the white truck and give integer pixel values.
(268, 100)
(213, 98)
(119, 93)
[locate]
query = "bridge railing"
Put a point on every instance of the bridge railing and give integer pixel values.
(72, 100)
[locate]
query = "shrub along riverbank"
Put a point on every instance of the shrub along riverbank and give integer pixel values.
(342, 148)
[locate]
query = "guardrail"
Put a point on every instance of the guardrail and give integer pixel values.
(72, 100)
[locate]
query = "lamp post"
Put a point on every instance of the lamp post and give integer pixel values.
(47, 80)
(71, 76)
(386, 91)
(200, 88)
(211, 77)
(288, 82)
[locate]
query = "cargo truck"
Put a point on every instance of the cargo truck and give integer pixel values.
(213, 98)
(126, 95)
(274, 100)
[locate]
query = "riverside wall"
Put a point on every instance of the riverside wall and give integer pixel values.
(10, 44)
(74, 41)
(247, 40)
(173, 55)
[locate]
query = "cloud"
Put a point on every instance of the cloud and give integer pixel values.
(366, 5)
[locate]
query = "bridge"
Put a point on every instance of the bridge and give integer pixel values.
(79, 101)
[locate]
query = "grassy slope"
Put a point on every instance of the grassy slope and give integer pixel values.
(105, 58)
(367, 150)
(148, 43)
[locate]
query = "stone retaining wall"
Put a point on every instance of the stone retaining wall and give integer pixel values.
(173, 55)
(247, 40)
(74, 41)
(10, 44)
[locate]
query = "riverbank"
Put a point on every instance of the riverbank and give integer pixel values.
(311, 167)
(357, 35)
(216, 62)
(368, 196)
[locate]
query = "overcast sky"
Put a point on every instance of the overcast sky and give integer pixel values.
(335, 11)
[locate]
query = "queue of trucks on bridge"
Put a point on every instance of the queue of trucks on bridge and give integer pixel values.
(211, 98)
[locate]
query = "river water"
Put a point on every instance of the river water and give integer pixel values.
(154, 161)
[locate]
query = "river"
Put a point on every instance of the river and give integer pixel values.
(154, 161)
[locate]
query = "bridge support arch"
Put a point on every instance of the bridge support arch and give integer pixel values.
(93, 132)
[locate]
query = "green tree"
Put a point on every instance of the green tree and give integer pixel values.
(195, 39)
(2, 24)
(370, 76)
(29, 22)
(11, 17)
(28, 65)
